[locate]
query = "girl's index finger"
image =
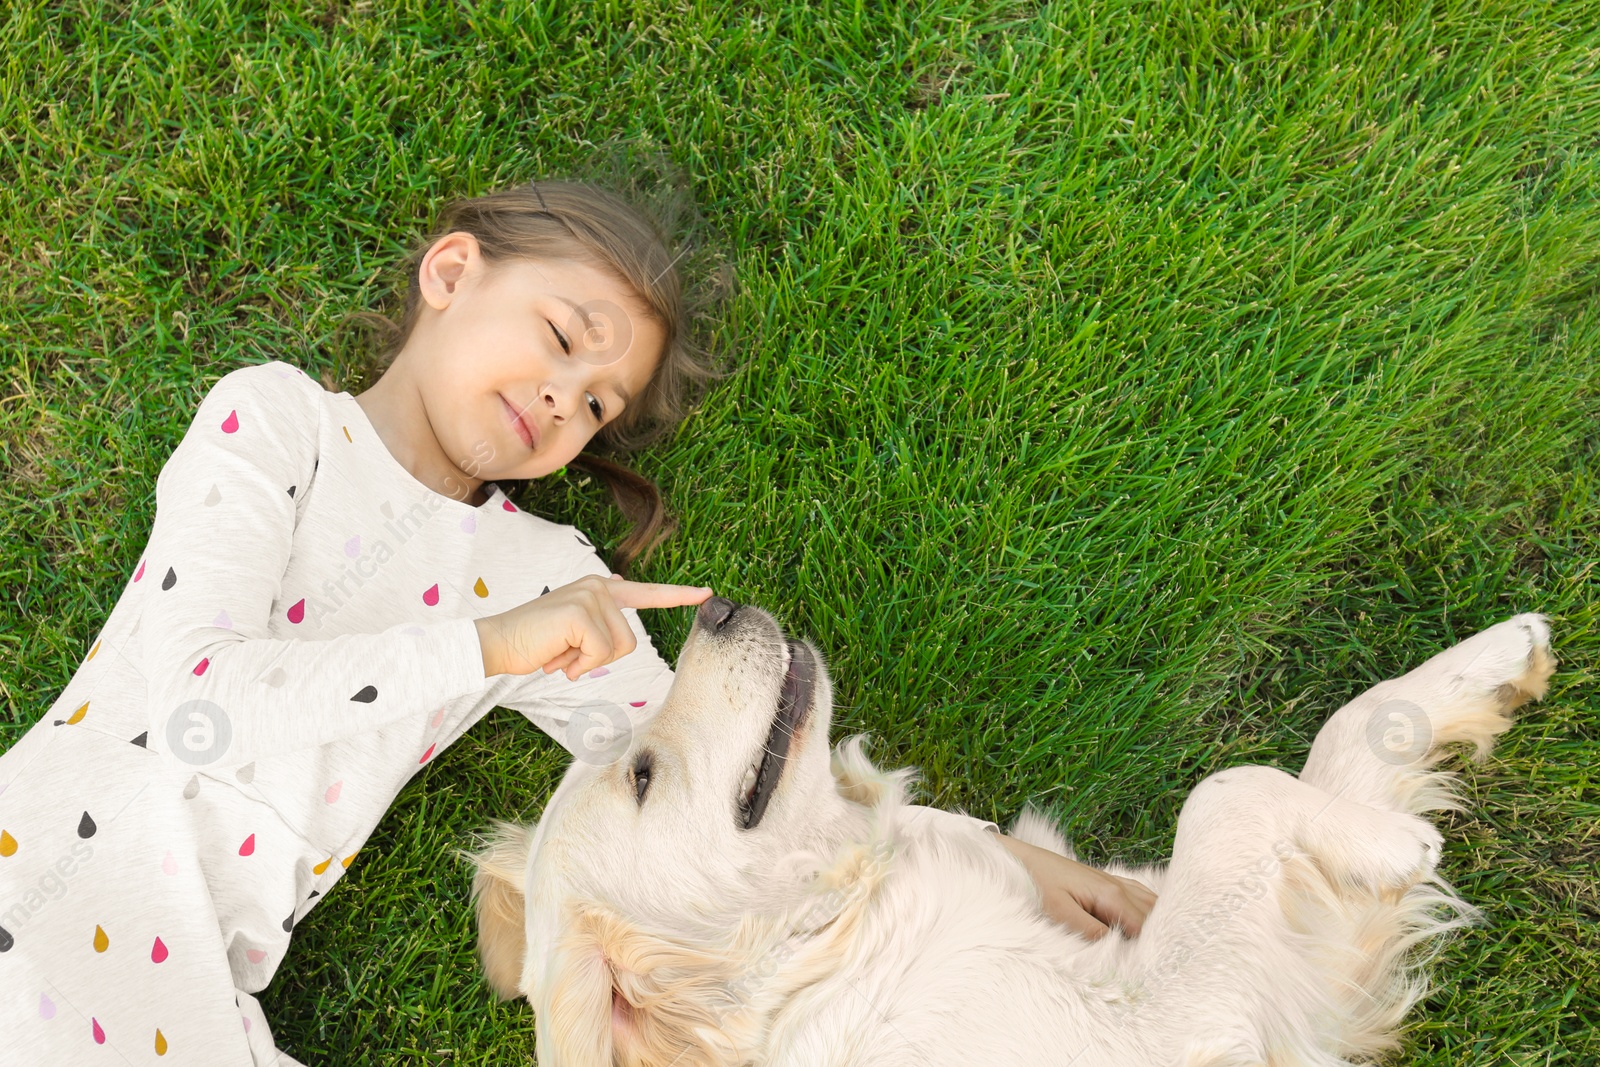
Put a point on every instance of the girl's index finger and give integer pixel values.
(656, 595)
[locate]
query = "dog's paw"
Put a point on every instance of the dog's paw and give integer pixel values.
(1534, 680)
(1511, 660)
(1376, 850)
(1409, 853)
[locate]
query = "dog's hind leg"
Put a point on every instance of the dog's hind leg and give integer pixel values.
(1380, 747)
(1221, 964)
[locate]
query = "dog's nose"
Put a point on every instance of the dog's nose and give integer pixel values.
(715, 612)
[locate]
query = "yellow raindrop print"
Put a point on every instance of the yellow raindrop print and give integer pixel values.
(161, 1043)
(348, 860)
(8, 844)
(480, 588)
(92, 651)
(77, 716)
(347, 436)
(101, 941)
(319, 868)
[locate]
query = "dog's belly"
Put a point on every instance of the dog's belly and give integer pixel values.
(954, 963)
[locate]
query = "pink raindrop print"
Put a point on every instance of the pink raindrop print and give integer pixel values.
(222, 622)
(254, 955)
(508, 505)
(47, 1007)
(438, 717)
(352, 547)
(140, 572)
(332, 795)
(200, 668)
(297, 611)
(249, 846)
(168, 864)
(231, 423)
(158, 952)
(470, 524)
(428, 753)
(599, 672)
(431, 596)
(637, 703)
(99, 1034)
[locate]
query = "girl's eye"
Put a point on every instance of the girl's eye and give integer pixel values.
(562, 341)
(596, 407)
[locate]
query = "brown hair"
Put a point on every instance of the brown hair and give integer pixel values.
(590, 224)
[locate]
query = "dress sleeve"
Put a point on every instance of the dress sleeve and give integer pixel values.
(595, 716)
(221, 690)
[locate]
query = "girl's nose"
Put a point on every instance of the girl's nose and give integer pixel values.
(560, 401)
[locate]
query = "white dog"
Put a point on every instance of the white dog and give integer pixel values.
(727, 894)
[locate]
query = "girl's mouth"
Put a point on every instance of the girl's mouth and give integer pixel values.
(523, 430)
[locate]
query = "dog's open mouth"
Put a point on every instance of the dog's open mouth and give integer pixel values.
(794, 704)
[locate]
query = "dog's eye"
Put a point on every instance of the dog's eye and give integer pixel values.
(641, 777)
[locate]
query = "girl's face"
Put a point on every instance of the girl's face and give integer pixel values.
(519, 363)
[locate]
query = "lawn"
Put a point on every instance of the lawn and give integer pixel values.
(1121, 385)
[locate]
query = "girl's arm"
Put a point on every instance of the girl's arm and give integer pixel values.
(221, 691)
(1083, 898)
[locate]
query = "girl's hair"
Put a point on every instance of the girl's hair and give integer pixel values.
(587, 223)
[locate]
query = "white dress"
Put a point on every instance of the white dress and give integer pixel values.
(295, 642)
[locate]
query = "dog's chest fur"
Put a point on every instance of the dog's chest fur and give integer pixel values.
(953, 932)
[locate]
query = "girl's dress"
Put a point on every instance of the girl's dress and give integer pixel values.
(295, 643)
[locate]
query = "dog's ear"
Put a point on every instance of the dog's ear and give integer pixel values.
(575, 1014)
(618, 994)
(497, 889)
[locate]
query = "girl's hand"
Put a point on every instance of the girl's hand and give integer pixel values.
(1086, 899)
(575, 628)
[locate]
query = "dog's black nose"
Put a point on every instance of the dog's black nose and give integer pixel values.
(715, 612)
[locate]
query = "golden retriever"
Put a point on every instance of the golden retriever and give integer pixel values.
(731, 892)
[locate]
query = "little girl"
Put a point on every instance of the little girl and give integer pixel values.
(334, 589)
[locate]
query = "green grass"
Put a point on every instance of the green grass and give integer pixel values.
(1125, 384)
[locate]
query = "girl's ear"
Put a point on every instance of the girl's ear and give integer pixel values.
(497, 889)
(444, 265)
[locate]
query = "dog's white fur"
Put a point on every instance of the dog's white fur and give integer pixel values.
(850, 927)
